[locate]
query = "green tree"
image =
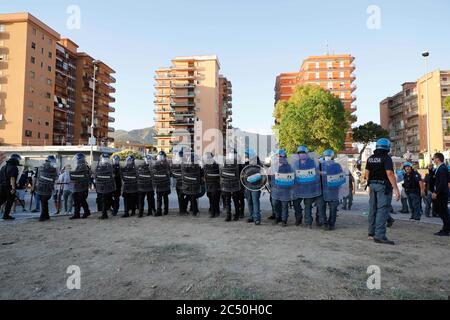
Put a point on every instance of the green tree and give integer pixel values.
(126, 153)
(368, 133)
(447, 109)
(313, 117)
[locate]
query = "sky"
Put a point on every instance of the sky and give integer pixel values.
(255, 41)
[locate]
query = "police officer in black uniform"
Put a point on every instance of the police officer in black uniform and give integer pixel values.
(212, 183)
(145, 187)
(105, 184)
(130, 187)
(81, 180)
(45, 185)
(117, 172)
(8, 181)
(192, 175)
(415, 190)
(383, 182)
(230, 184)
(161, 183)
(176, 173)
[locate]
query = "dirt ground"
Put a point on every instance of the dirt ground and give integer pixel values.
(199, 258)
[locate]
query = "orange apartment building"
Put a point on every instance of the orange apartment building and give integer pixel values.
(40, 86)
(192, 104)
(405, 115)
(334, 73)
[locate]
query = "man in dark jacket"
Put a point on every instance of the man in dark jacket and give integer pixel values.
(8, 180)
(440, 193)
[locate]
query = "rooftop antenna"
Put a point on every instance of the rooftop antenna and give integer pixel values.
(328, 48)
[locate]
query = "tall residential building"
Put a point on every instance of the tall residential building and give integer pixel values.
(188, 105)
(331, 72)
(27, 77)
(43, 86)
(405, 115)
(225, 106)
(103, 99)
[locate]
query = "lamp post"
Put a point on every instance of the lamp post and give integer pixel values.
(92, 139)
(426, 54)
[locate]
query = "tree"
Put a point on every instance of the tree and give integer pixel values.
(447, 109)
(124, 154)
(368, 133)
(313, 117)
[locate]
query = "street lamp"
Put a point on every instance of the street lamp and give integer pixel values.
(426, 54)
(92, 139)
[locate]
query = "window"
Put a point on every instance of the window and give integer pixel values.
(329, 65)
(31, 89)
(33, 60)
(42, 64)
(317, 75)
(317, 65)
(33, 45)
(42, 50)
(49, 69)
(49, 82)
(28, 133)
(34, 31)
(30, 119)
(39, 135)
(330, 85)
(47, 124)
(2, 28)
(47, 108)
(342, 64)
(330, 75)
(48, 95)
(30, 104)
(342, 75)
(50, 55)
(32, 74)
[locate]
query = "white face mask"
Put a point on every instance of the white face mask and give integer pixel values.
(328, 158)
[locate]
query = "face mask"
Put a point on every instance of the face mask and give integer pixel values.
(303, 156)
(328, 158)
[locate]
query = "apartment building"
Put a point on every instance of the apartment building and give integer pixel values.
(226, 107)
(334, 73)
(189, 106)
(41, 85)
(27, 77)
(405, 115)
(103, 99)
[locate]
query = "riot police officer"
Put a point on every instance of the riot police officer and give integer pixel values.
(8, 181)
(176, 173)
(230, 184)
(307, 188)
(161, 183)
(45, 185)
(282, 182)
(212, 183)
(193, 185)
(334, 186)
(105, 184)
(117, 172)
(253, 196)
(81, 180)
(145, 187)
(383, 183)
(130, 187)
(415, 190)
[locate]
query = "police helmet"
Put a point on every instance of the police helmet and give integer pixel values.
(79, 158)
(161, 156)
(116, 159)
(282, 153)
(407, 164)
(328, 154)
(302, 149)
(383, 144)
(14, 159)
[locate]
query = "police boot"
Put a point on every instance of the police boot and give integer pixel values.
(75, 217)
(158, 213)
(43, 218)
(405, 209)
(86, 215)
(236, 217)
(228, 219)
(141, 215)
(104, 217)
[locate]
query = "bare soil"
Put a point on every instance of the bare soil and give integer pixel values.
(201, 258)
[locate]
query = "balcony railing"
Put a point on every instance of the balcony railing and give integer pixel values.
(174, 76)
(111, 130)
(183, 85)
(183, 104)
(111, 119)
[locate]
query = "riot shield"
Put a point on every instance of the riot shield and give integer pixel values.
(307, 176)
(282, 177)
(335, 179)
(254, 178)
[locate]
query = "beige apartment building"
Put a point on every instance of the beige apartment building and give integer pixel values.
(404, 115)
(334, 73)
(192, 103)
(41, 82)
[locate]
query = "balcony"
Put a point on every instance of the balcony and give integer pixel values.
(163, 101)
(174, 76)
(111, 130)
(110, 109)
(184, 122)
(182, 85)
(111, 120)
(183, 96)
(183, 132)
(162, 85)
(183, 104)
(183, 113)
(181, 68)
(162, 111)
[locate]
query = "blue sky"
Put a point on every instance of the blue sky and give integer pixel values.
(255, 41)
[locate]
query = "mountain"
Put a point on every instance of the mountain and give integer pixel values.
(144, 136)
